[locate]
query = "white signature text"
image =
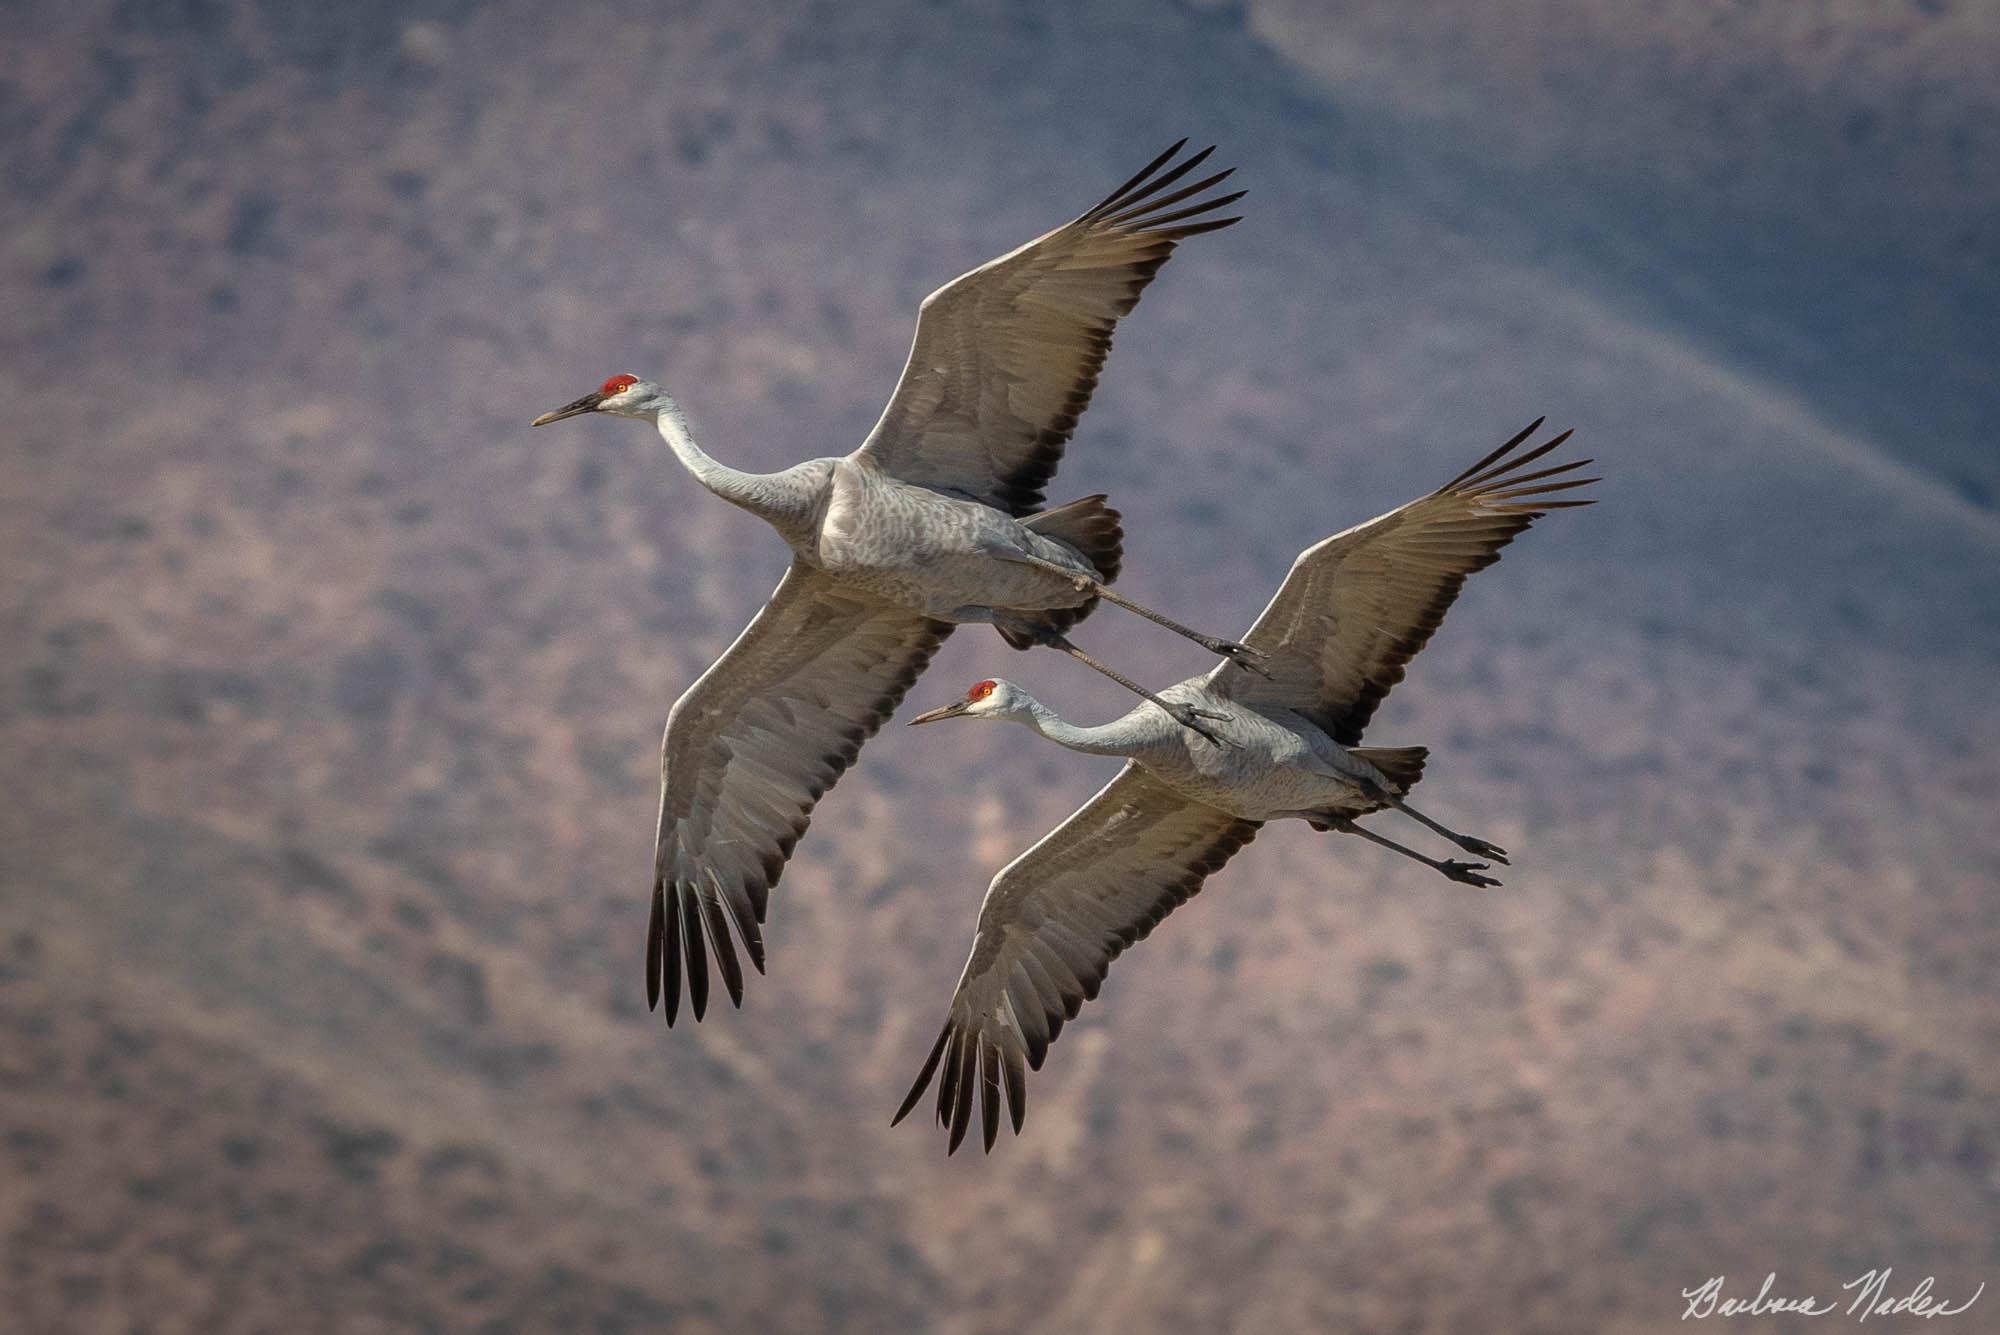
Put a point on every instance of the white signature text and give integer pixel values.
(1871, 1297)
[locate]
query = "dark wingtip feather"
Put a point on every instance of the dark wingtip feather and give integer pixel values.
(1201, 229)
(670, 958)
(961, 1121)
(989, 1094)
(741, 909)
(753, 939)
(1116, 195)
(1500, 471)
(1017, 1089)
(1542, 490)
(1513, 481)
(697, 958)
(1135, 201)
(948, 1078)
(1480, 467)
(961, 1107)
(1142, 213)
(722, 947)
(923, 1076)
(656, 933)
(1195, 210)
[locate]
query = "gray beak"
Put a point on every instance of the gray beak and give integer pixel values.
(952, 710)
(587, 404)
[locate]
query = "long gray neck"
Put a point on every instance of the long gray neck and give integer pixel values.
(738, 488)
(782, 499)
(1116, 738)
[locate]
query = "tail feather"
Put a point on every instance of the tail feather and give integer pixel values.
(1402, 766)
(1091, 529)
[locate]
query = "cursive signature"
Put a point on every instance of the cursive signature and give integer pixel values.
(1871, 1298)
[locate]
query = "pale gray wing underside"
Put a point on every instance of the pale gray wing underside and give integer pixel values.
(1356, 608)
(749, 750)
(1052, 922)
(1006, 356)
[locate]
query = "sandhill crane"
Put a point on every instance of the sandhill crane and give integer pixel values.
(927, 525)
(1352, 613)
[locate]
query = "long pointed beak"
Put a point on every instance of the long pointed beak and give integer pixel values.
(587, 404)
(952, 710)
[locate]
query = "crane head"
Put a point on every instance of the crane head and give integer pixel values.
(623, 395)
(992, 698)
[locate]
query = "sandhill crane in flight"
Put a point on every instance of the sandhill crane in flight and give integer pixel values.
(929, 524)
(1352, 613)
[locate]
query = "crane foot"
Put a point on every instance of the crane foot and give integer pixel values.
(1479, 848)
(1240, 654)
(1191, 718)
(1467, 873)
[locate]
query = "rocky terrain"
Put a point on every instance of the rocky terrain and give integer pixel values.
(330, 692)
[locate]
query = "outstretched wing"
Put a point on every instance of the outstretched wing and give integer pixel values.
(1006, 356)
(1356, 608)
(1052, 922)
(748, 751)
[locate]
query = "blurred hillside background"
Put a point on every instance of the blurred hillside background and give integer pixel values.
(329, 693)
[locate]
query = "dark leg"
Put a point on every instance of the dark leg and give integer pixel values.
(1475, 846)
(1465, 873)
(1186, 715)
(1241, 654)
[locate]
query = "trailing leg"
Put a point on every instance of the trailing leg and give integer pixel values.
(1465, 873)
(1241, 654)
(1470, 843)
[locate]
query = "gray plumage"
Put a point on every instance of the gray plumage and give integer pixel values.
(929, 524)
(1334, 640)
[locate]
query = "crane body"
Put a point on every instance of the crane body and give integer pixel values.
(1279, 743)
(1257, 766)
(931, 523)
(952, 559)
